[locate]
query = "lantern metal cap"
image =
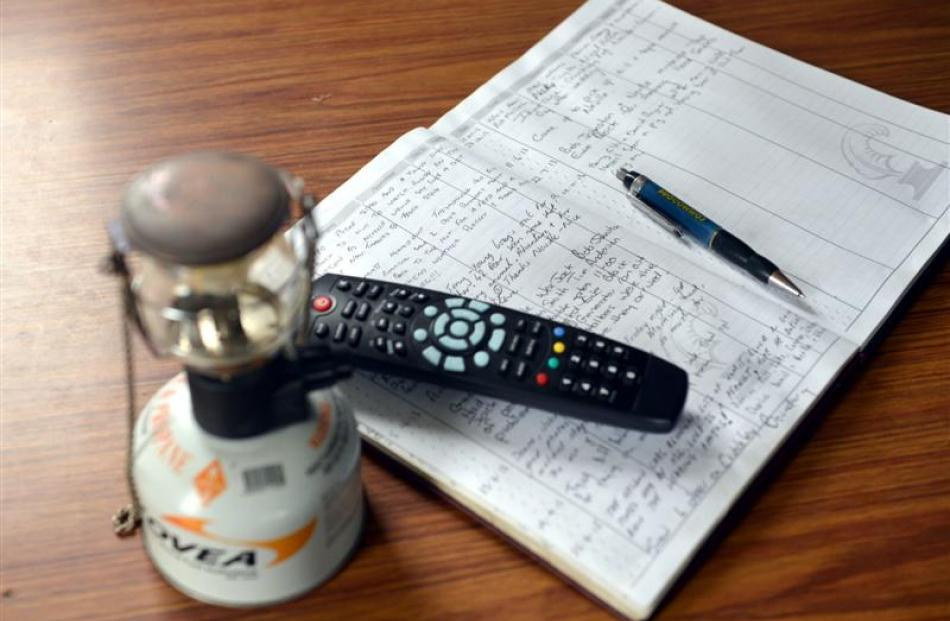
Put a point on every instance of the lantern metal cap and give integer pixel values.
(203, 208)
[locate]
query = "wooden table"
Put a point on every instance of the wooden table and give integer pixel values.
(856, 526)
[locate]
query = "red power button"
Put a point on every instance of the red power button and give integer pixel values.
(541, 379)
(322, 303)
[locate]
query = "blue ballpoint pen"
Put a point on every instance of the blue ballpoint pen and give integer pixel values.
(680, 219)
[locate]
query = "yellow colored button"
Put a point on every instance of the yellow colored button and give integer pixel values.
(558, 347)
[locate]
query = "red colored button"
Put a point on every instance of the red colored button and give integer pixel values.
(541, 379)
(322, 303)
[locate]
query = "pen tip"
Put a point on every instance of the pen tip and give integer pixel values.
(781, 281)
(622, 173)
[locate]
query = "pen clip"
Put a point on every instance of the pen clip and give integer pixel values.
(665, 222)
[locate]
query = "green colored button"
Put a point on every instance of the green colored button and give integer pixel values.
(553, 363)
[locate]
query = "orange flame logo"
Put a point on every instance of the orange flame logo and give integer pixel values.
(285, 546)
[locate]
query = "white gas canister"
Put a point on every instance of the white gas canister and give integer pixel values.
(254, 521)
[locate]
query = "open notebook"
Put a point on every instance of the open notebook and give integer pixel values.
(511, 198)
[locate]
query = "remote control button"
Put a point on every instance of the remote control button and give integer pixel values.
(354, 336)
(514, 344)
(593, 365)
(363, 311)
(389, 308)
(340, 332)
(433, 355)
(322, 304)
(566, 383)
(603, 393)
(574, 361)
(360, 289)
(558, 347)
(380, 343)
(343, 284)
(458, 328)
(463, 313)
(382, 324)
(481, 359)
(497, 338)
(521, 369)
(559, 332)
(448, 342)
(454, 302)
(399, 327)
(478, 333)
(438, 327)
(629, 377)
(553, 363)
(600, 345)
(541, 379)
(611, 371)
(504, 366)
(617, 352)
(321, 330)
(581, 341)
(406, 311)
(583, 387)
(349, 309)
(475, 305)
(400, 348)
(400, 293)
(420, 335)
(455, 364)
(420, 298)
(536, 328)
(430, 311)
(374, 292)
(521, 325)
(497, 319)
(530, 348)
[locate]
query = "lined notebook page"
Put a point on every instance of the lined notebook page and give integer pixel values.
(511, 198)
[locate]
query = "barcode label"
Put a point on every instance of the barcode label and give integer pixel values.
(257, 479)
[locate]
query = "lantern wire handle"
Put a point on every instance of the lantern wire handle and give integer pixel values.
(126, 520)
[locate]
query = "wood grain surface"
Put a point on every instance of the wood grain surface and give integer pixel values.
(856, 525)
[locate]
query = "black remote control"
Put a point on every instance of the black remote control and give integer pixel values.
(472, 345)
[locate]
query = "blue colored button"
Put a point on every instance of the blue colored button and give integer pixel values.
(497, 319)
(477, 334)
(559, 332)
(497, 338)
(447, 342)
(420, 334)
(438, 327)
(454, 364)
(454, 302)
(432, 354)
(430, 311)
(481, 359)
(478, 306)
(462, 313)
(459, 328)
